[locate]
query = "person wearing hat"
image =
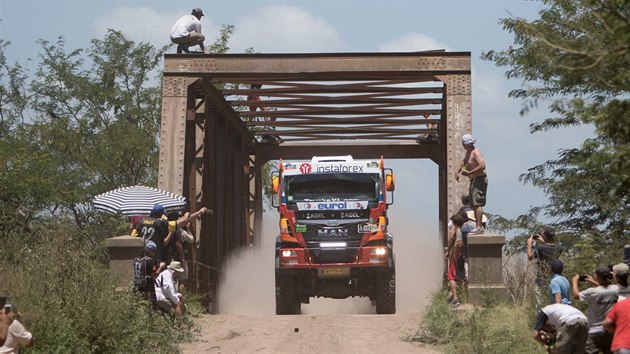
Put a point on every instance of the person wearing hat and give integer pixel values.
(155, 228)
(620, 276)
(168, 298)
(600, 298)
(559, 287)
(474, 167)
(186, 32)
(145, 270)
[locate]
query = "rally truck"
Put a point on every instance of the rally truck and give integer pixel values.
(333, 239)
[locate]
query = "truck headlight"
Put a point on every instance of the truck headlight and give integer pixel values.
(289, 253)
(379, 251)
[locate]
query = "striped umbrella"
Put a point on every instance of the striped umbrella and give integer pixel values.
(137, 200)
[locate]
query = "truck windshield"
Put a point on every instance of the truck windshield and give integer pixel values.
(332, 186)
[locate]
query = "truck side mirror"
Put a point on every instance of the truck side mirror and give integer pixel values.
(389, 182)
(275, 184)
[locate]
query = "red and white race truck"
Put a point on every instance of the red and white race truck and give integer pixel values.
(333, 238)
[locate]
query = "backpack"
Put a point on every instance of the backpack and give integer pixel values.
(140, 276)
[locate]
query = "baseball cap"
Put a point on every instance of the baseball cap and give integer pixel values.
(603, 269)
(621, 270)
(468, 139)
(158, 209)
(150, 246)
(557, 266)
(197, 11)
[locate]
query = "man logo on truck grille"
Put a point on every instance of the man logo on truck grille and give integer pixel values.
(333, 232)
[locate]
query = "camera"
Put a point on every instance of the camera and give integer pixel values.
(582, 278)
(9, 308)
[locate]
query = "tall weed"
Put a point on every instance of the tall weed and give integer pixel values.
(59, 279)
(503, 328)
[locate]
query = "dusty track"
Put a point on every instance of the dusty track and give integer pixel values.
(247, 323)
(345, 333)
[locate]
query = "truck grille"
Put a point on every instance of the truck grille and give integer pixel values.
(333, 255)
(331, 232)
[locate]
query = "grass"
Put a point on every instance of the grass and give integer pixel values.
(503, 328)
(60, 281)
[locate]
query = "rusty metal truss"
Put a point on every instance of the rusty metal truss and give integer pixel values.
(225, 115)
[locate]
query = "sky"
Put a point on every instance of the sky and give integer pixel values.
(340, 26)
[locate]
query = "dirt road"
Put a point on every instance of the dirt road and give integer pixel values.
(247, 323)
(346, 333)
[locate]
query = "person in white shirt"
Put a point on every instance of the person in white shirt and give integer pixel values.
(168, 298)
(570, 325)
(17, 336)
(187, 32)
(620, 276)
(600, 298)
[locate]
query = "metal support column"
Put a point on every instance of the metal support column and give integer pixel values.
(458, 107)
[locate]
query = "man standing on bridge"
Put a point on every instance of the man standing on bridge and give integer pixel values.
(474, 167)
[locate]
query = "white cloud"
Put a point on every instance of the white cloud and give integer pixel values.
(412, 42)
(283, 29)
(145, 24)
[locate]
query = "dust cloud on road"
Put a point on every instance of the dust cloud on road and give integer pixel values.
(248, 284)
(247, 322)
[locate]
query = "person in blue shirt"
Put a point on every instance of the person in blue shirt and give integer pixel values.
(559, 287)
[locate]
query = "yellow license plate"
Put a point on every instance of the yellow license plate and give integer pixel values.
(334, 272)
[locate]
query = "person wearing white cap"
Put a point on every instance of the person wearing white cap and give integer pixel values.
(620, 276)
(187, 32)
(167, 296)
(474, 167)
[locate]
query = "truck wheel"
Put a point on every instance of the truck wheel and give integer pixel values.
(386, 292)
(287, 302)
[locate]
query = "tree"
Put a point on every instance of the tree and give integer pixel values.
(577, 56)
(92, 125)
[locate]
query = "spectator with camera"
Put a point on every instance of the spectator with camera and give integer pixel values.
(600, 299)
(569, 325)
(542, 246)
(16, 336)
(620, 276)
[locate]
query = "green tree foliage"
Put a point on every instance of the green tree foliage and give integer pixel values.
(87, 122)
(576, 55)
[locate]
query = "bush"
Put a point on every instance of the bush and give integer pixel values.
(503, 328)
(60, 281)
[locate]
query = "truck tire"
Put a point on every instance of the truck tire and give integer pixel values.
(386, 292)
(287, 302)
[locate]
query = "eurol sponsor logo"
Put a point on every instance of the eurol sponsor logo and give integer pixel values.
(332, 205)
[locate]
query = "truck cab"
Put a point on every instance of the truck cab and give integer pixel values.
(333, 239)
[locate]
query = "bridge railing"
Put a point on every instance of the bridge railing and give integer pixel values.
(204, 279)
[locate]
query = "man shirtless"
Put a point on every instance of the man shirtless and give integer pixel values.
(474, 167)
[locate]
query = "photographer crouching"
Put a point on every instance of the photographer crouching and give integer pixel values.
(600, 298)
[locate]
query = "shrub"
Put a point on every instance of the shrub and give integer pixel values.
(503, 328)
(60, 281)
